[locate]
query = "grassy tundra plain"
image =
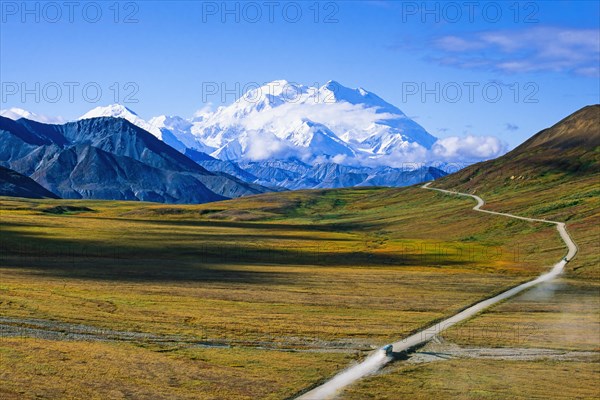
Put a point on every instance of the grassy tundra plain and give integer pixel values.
(259, 297)
(544, 343)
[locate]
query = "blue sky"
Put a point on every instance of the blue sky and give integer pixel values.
(498, 68)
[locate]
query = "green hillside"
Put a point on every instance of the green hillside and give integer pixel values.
(553, 175)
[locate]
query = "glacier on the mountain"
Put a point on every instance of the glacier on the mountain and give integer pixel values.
(284, 120)
(288, 120)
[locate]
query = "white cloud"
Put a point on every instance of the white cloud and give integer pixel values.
(339, 159)
(455, 150)
(262, 146)
(455, 43)
(467, 149)
(527, 50)
(206, 110)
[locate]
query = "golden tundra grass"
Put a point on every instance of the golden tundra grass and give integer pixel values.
(561, 315)
(314, 270)
(35, 368)
(482, 379)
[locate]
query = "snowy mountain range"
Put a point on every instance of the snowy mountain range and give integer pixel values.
(17, 113)
(293, 136)
(283, 120)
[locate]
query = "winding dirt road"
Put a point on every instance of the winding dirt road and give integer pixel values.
(378, 359)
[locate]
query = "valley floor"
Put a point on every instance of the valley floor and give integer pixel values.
(543, 343)
(264, 296)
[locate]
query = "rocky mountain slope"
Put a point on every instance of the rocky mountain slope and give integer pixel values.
(110, 158)
(14, 184)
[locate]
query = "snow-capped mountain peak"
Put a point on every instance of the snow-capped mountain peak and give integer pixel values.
(16, 113)
(292, 120)
(269, 95)
(335, 92)
(113, 110)
(275, 88)
(120, 111)
(283, 119)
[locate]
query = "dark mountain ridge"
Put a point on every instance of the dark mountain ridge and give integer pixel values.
(110, 158)
(14, 184)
